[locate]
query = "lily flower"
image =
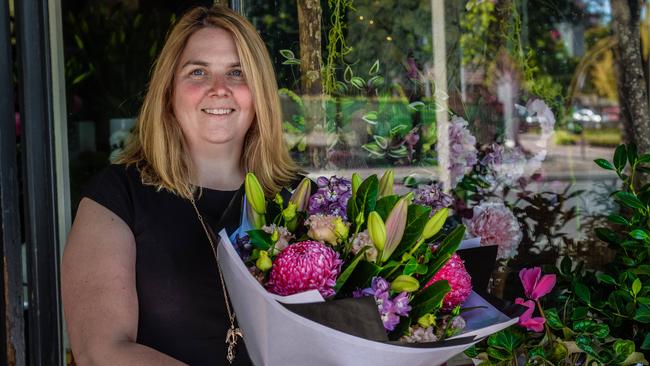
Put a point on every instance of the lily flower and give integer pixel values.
(536, 285)
(395, 225)
(526, 320)
(386, 183)
(256, 201)
(377, 230)
(300, 196)
(433, 226)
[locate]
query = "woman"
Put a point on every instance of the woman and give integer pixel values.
(139, 280)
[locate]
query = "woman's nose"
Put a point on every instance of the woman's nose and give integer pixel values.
(220, 86)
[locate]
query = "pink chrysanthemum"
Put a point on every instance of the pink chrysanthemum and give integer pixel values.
(307, 265)
(459, 280)
(495, 224)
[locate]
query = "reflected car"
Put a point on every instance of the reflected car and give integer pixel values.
(586, 115)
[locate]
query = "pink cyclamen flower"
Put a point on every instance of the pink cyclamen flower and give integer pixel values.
(536, 285)
(526, 320)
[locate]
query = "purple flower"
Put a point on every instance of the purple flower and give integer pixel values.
(432, 196)
(389, 309)
(332, 196)
(462, 152)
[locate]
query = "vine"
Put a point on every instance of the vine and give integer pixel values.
(337, 47)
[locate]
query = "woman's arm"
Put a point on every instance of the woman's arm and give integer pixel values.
(98, 289)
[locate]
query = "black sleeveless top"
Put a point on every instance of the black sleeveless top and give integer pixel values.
(181, 309)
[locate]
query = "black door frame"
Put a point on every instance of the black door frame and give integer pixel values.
(43, 319)
(12, 335)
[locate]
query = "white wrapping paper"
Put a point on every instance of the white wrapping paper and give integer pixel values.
(275, 336)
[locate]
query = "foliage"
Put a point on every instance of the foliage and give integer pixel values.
(595, 316)
(110, 49)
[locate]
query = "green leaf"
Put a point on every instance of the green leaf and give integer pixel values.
(385, 205)
(604, 164)
(343, 277)
(416, 217)
(292, 61)
(416, 106)
(499, 354)
(640, 234)
(365, 200)
(632, 154)
(645, 158)
(620, 157)
(629, 200)
(636, 286)
(582, 292)
(410, 267)
(376, 81)
(259, 239)
(370, 117)
(643, 269)
(605, 278)
(566, 265)
(288, 54)
(558, 353)
(357, 82)
(642, 314)
(646, 342)
(553, 319)
(579, 313)
(607, 235)
(347, 75)
(618, 219)
(445, 250)
(429, 299)
(623, 348)
(599, 330)
(507, 340)
(471, 352)
(374, 68)
(360, 277)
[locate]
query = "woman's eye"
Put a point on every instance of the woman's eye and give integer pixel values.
(197, 72)
(237, 73)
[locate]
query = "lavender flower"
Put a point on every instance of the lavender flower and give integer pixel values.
(332, 196)
(389, 309)
(432, 196)
(462, 152)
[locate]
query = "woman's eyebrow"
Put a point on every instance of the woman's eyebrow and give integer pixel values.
(206, 64)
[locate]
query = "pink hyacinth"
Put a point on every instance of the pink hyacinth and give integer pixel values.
(495, 224)
(459, 280)
(307, 265)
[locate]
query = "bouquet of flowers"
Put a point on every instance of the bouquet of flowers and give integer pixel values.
(396, 288)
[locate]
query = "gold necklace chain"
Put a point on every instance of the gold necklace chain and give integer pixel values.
(233, 332)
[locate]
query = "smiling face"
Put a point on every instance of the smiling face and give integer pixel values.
(211, 100)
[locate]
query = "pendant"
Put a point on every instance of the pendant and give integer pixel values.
(231, 340)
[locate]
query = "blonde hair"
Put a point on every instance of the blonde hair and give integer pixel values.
(157, 147)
